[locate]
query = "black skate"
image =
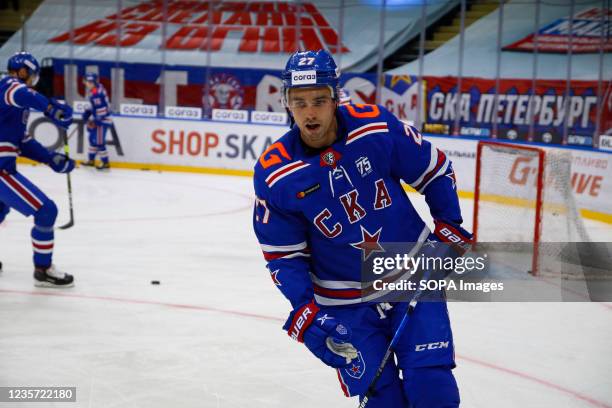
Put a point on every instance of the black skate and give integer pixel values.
(49, 277)
(103, 166)
(88, 163)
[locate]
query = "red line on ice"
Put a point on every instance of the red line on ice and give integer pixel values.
(491, 366)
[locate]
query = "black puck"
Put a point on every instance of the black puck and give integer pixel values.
(154, 282)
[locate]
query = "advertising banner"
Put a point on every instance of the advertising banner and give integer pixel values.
(257, 34)
(228, 88)
(589, 32)
(547, 104)
(173, 144)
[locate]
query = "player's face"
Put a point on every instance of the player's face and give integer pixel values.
(30, 79)
(88, 85)
(314, 110)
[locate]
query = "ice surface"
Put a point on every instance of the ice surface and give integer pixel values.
(210, 334)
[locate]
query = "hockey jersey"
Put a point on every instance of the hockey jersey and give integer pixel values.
(319, 214)
(100, 108)
(16, 99)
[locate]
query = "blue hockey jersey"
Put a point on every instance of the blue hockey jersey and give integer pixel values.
(16, 99)
(100, 108)
(319, 214)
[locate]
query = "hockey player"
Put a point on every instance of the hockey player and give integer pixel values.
(328, 194)
(16, 99)
(98, 121)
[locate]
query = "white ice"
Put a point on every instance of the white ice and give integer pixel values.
(210, 334)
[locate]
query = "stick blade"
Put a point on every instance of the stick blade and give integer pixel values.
(66, 226)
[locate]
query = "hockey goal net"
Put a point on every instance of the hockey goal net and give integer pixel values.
(523, 195)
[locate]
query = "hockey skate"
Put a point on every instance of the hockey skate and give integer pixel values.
(103, 166)
(88, 163)
(49, 277)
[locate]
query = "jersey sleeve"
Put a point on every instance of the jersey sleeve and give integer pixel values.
(32, 149)
(283, 239)
(426, 169)
(21, 96)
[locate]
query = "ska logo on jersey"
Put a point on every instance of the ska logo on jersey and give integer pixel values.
(363, 166)
(330, 158)
(357, 368)
(309, 190)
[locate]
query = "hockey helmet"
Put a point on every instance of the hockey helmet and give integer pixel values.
(25, 60)
(91, 77)
(306, 69)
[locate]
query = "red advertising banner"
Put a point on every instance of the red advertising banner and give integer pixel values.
(588, 32)
(268, 27)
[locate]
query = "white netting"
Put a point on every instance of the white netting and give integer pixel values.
(506, 206)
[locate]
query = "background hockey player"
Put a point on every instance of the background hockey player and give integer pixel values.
(328, 193)
(16, 191)
(98, 121)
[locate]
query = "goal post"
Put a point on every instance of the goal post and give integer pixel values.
(523, 194)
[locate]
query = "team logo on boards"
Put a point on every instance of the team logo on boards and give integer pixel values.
(226, 92)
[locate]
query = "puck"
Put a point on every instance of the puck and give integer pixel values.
(154, 282)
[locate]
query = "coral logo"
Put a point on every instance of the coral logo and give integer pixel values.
(304, 77)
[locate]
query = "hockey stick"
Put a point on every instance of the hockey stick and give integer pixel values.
(391, 347)
(70, 222)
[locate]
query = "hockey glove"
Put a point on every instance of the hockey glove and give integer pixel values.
(60, 163)
(59, 113)
(86, 115)
(324, 336)
(459, 240)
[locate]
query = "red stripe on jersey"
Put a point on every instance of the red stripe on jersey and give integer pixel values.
(284, 170)
(33, 201)
(337, 293)
(270, 256)
(8, 96)
(9, 149)
(41, 246)
(342, 384)
(366, 129)
(439, 164)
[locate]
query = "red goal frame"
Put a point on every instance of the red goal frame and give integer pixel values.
(537, 228)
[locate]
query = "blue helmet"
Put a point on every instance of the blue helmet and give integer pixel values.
(24, 60)
(306, 69)
(91, 77)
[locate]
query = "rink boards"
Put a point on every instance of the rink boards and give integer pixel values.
(233, 148)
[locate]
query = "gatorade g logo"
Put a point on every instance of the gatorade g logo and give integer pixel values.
(304, 77)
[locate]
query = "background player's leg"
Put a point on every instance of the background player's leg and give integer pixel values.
(19, 193)
(4, 210)
(91, 153)
(102, 152)
(426, 348)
